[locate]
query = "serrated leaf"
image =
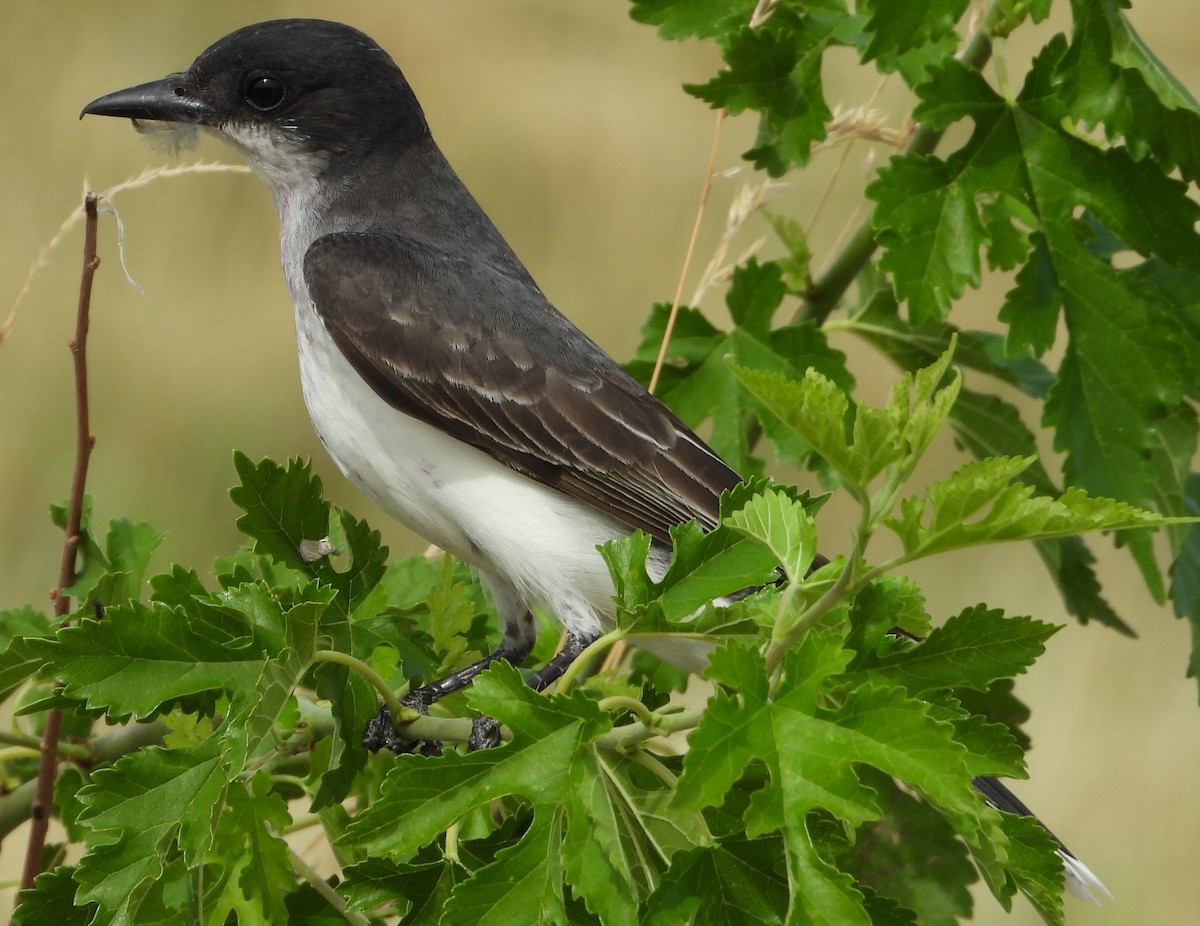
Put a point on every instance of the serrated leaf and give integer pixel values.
(140, 657)
(783, 526)
(282, 507)
(980, 503)
(681, 19)
(253, 716)
(632, 834)
(1034, 866)
(816, 409)
(881, 606)
(803, 744)
(247, 845)
(698, 386)
(705, 565)
(18, 660)
(134, 812)
(354, 702)
(775, 70)
(907, 37)
(972, 649)
(52, 900)
(911, 854)
(523, 885)
(735, 882)
(1111, 79)
(129, 547)
(424, 795)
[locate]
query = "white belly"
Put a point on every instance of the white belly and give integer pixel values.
(536, 544)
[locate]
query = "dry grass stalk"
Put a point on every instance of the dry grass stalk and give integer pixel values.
(146, 177)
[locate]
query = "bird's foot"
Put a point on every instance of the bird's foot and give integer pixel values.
(381, 733)
(485, 733)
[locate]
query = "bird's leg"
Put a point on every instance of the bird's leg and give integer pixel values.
(381, 733)
(485, 731)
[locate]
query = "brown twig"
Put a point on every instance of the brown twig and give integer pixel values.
(84, 441)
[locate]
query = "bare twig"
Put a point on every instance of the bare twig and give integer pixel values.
(84, 441)
(143, 179)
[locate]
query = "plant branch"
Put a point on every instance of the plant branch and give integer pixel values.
(630, 734)
(84, 441)
(313, 877)
(824, 294)
(378, 682)
(16, 805)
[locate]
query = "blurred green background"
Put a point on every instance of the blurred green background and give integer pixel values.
(567, 121)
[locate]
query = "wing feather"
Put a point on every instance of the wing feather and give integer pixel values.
(479, 352)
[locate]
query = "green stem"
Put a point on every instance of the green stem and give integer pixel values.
(20, 739)
(309, 874)
(597, 646)
(652, 764)
(824, 294)
(12, 753)
(630, 734)
(633, 705)
(302, 822)
(809, 619)
(452, 832)
(376, 680)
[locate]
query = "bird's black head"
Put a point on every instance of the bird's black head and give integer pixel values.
(282, 90)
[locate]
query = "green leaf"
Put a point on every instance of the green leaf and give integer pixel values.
(912, 855)
(129, 547)
(1185, 580)
(257, 870)
(135, 811)
(354, 702)
(803, 744)
(90, 563)
(681, 19)
(1035, 867)
(816, 409)
(783, 526)
(422, 796)
(884, 604)
(705, 565)
(632, 834)
(18, 660)
(523, 885)
(697, 384)
(980, 503)
(909, 36)
(1109, 78)
(253, 717)
(283, 508)
(775, 70)
(738, 881)
(140, 657)
(52, 900)
(972, 649)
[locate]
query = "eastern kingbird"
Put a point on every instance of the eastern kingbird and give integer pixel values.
(438, 376)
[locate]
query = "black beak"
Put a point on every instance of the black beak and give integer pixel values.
(166, 100)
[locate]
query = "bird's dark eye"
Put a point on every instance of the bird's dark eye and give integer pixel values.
(265, 92)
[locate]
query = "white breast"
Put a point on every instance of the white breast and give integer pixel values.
(538, 542)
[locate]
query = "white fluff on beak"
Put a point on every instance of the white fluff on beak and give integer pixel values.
(169, 137)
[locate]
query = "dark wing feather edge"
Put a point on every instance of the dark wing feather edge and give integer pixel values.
(479, 352)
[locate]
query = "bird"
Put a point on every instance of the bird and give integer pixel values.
(438, 376)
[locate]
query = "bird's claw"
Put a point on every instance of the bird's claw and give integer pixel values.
(485, 733)
(381, 733)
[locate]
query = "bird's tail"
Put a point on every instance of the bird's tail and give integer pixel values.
(1079, 878)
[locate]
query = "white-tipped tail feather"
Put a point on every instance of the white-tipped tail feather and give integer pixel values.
(1080, 880)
